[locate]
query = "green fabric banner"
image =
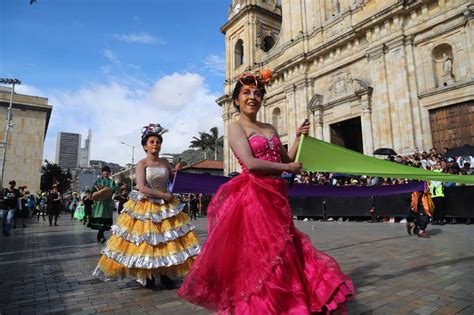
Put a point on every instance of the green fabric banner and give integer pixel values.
(320, 156)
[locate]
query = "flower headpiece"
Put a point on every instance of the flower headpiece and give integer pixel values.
(153, 129)
(251, 79)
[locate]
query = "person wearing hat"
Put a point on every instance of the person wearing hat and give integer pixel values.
(73, 204)
(153, 236)
(102, 210)
(9, 197)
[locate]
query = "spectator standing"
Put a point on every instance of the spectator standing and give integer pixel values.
(43, 204)
(54, 205)
(31, 203)
(10, 197)
(22, 210)
(121, 199)
(88, 202)
(437, 193)
(193, 207)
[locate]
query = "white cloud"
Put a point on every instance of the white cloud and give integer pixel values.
(216, 64)
(111, 56)
(117, 111)
(140, 38)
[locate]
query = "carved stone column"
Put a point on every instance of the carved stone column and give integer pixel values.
(315, 108)
(366, 121)
(381, 111)
(469, 26)
(290, 101)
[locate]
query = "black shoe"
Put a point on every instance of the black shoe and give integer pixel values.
(150, 284)
(6, 233)
(167, 282)
(408, 228)
(416, 230)
(14, 226)
(24, 225)
(55, 224)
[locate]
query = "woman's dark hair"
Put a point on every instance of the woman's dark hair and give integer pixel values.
(238, 87)
(145, 138)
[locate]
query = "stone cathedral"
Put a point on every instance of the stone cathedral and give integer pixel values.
(367, 73)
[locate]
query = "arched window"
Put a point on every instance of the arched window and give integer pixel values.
(239, 53)
(267, 43)
(276, 119)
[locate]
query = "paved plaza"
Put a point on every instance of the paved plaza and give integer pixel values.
(47, 269)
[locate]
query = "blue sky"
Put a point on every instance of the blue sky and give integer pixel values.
(114, 66)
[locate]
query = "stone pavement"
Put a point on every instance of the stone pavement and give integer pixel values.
(47, 269)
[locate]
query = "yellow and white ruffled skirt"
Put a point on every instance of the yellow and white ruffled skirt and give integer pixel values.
(151, 237)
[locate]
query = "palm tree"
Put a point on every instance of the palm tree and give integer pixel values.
(216, 142)
(203, 142)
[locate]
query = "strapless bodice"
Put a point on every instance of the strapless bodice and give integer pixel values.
(263, 148)
(157, 178)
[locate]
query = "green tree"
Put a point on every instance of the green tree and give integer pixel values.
(216, 141)
(52, 174)
(202, 142)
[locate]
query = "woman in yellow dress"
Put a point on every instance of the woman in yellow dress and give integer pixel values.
(152, 236)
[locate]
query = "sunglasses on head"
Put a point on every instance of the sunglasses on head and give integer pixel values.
(249, 79)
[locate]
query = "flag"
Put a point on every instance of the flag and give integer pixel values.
(320, 156)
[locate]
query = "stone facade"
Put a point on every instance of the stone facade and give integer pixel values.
(388, 64)
(30, 118)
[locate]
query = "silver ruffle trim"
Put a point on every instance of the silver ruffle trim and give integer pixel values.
(98, 273)
(155, 217)
(145, 262)
(152, 238)
(138, 196)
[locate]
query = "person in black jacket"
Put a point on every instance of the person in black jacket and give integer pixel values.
(88, 202)
(9, 205)
(54, 205)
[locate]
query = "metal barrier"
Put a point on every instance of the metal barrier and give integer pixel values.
(459, 203)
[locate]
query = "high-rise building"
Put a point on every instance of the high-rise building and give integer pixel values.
(86, 151)
(68, 150)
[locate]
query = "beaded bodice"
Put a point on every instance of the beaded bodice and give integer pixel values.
(157, 178)
(263, 148)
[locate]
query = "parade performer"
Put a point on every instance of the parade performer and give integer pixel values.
(103, 208)
(152, 236)
(421, 210)
(254, 260)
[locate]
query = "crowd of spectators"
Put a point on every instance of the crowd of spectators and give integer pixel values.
(432, 160)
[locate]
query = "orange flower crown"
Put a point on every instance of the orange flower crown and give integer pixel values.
(250, 79)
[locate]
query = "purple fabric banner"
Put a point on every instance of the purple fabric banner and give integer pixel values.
(208, 184)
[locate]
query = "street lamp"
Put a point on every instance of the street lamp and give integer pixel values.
(133, 151)
(133, 161)
(9, 118)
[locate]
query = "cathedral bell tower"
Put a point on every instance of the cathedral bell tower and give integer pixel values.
(251, 31)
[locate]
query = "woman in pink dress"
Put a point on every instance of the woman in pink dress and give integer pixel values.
(254, 260)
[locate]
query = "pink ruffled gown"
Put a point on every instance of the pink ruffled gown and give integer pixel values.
(254, 260)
